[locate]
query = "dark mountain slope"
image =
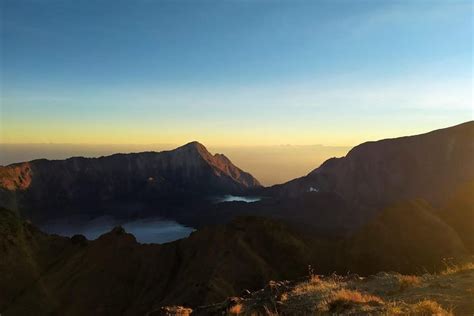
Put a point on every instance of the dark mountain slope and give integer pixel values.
(403, 238)
(119, 182)
(374, 174)
(25, 255)
(114, 274)
(458, 212)
(325, 213)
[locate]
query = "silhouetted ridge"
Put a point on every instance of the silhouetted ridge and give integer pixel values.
(152, 178)
(378, 173)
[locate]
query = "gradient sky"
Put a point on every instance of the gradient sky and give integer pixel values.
(233, 72)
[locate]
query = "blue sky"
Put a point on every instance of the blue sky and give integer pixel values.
(233, 72)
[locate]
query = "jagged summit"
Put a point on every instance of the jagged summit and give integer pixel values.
(197, 148)
(221, 163)
(193, 145)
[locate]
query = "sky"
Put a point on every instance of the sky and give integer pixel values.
(232, 73)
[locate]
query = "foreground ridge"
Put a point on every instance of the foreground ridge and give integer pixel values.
(389, 293)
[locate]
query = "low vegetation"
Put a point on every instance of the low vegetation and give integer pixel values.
(408, 281)
(453, 268)
(450, 292)
(428, 307)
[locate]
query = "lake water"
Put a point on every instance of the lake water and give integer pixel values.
(236, 198)
(150, 230)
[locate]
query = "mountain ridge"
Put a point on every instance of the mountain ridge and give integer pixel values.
(377, 173)
(187, 171)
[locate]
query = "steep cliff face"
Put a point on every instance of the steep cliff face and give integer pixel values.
(188, 171)
(375, 174)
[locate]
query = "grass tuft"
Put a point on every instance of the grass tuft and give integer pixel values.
(236, 309)
(428, 308)
(344, 299)
(408, 281)
(456, 268)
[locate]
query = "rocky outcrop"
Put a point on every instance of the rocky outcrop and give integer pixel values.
(15, 177)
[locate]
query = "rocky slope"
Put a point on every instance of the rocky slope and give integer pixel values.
(119, 181)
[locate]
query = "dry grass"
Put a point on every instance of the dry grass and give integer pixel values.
(394, 309)
(175, 311)
(382, 294)
(236, 309)
(408, 281)
(455, 268)
(315, 286)
(307, 297)
(344, 299)
(320, 295)
(428, 308)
